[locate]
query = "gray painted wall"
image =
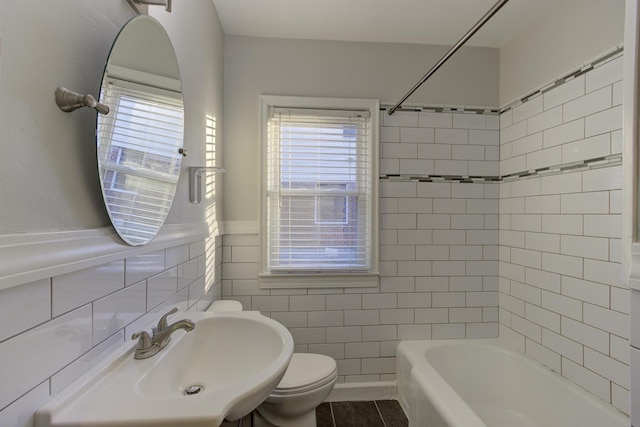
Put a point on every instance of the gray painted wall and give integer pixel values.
(48, 178)
(569, 34)
(385, 71)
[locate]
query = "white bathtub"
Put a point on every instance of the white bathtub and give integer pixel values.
(485, 383)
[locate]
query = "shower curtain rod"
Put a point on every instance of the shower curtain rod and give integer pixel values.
(496, 7)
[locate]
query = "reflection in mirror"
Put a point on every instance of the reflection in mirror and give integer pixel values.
(139, 141)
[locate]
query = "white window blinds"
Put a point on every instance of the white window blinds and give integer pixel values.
(318, 181)
(138, 157)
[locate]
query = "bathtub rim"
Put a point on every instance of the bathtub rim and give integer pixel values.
(448, 402)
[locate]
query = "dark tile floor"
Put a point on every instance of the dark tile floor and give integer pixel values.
(378, 413)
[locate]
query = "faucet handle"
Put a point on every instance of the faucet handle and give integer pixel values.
(144, 340)
(162, 323)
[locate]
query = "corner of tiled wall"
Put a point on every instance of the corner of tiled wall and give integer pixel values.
(562, 298)
(438, 251)
(54, 330)
(489, 226)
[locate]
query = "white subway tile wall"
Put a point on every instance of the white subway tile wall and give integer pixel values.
(562, 298)
(534, 259)
(438, 252)
(54, 330)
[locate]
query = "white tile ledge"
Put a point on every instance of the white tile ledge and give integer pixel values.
(239, 227)
(27, 257)
(634, 274)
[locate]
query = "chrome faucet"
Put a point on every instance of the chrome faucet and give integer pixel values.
(160, 335)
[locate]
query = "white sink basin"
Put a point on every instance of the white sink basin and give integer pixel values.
(237, 359)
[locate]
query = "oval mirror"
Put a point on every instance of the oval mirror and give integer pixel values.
(139, 142)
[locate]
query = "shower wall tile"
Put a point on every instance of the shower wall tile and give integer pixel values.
(563, 295)
(589, 104)
(417, 135)
(567, 132)
(621, 398)
(400, 118)
(527, 109)
(586, 379)
(434, 120)
(485, 137)
(544, 120)
(506, 119)
(570, 90)
(469, 121)
(617, 93)
(605, 121)
(588, 148)
(390, 134)
(492, 122)
(606, 74)
(602, 179)
(513, 132)
(451, 136)
(527, 144)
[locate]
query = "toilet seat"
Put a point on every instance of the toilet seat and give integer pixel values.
(306, 372)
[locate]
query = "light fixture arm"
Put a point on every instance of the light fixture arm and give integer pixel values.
(165, 3)
(69, 100)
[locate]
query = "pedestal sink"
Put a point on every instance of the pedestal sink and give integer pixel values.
(224, 368)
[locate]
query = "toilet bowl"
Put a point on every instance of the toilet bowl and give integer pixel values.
(306, 383)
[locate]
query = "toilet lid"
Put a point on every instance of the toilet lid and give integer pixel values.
(306, 370)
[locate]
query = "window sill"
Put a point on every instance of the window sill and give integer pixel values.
(301, 281)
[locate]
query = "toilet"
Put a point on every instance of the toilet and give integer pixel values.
(306, 383)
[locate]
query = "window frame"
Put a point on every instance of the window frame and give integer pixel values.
(318, 279)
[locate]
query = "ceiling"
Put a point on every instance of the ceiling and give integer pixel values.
(392, 21)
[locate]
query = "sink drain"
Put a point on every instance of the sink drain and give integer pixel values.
(194, 389)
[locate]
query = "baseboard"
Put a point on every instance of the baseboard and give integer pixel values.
(348, 392)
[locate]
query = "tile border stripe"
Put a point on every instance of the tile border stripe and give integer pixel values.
(594, 163)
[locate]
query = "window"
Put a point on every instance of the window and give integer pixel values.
(319, 198)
